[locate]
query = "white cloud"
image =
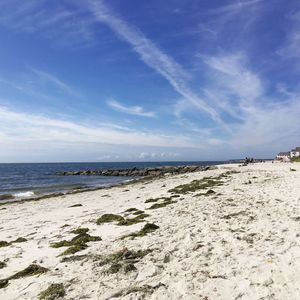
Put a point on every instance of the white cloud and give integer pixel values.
(234, 7)
(290, 49)
(151, 55)
(158, 155)
(132, 110)
(16, 126)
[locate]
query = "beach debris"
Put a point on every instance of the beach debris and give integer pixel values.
(144, 289)
(77, 243)
(108, 218)
(54, 291)
(6, 197)
(31, 270)
(3, 283)
(18, 240)
(65, 225)
(200, 184)
(2, 264)
(293, 170)
(152, 200)
(166, 201)
(148, 228)
(132, 209)
(76, 205)
(130, 221)
(209, 192)
(232, 215)
(123, 260)
(80, 230)
(4, 244)
(74, 258)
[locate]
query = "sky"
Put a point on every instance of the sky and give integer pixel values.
(138, 80)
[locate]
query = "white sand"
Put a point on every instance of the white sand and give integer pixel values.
(200, 251)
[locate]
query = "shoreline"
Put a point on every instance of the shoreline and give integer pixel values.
(148, 174)
(220, 234)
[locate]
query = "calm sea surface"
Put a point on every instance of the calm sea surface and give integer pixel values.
(31, 180)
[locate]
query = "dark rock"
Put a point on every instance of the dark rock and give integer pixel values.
(135, 172)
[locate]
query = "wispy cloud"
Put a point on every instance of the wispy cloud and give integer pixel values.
(262, 121)
(153, 56)
(60, 22)
(50, 78)
(131, 110)
(19, 126)
(234, 7)
(290, 49)
(235, 86)
(158, 155)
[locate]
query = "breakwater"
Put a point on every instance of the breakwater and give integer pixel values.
(137, 172)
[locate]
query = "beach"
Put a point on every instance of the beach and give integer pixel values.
(228, 233)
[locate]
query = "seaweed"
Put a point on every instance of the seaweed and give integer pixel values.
(152, 200)
(132, 209)
(65, 225)
(80, 230)
(144, 289)
(209, 192)
(77, 243)
(84, 238)
(54, 291)
(123, 260)
(167, 201)
(3, 283)
(232, 215)
(74, 249)
(73, 258)
(20, 240)
(4, 244)
(107, 218)
(148, 228)
(138, 212)
(199, 184)
(62, 243)
(31, 270)
(130, 221)
(76, 205)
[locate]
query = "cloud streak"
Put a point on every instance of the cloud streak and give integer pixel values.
(16, 126)
(131, 110)
(152, 56)
(59, 22)
(49, 78)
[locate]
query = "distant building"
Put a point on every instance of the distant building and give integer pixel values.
(284, 156)
(295, 152)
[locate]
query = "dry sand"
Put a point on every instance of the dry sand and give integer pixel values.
(243, 242)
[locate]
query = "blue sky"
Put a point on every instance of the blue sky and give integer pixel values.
(132, 80)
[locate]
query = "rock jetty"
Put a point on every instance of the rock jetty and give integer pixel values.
(136, 172)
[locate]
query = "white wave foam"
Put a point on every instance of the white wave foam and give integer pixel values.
(24, 194)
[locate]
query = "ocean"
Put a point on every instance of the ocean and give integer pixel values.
(29, 180)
